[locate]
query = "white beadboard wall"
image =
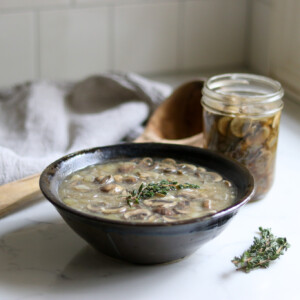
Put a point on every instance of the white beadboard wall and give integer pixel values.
(260, 30)
(69, 39)
(275, 42)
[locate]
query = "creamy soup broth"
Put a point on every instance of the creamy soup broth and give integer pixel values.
(147, 190)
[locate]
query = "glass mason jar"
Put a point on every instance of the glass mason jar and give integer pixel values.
(241, 115)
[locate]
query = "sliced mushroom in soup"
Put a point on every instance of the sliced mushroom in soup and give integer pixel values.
(147, 190)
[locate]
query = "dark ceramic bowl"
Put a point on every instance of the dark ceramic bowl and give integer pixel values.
(146, 243)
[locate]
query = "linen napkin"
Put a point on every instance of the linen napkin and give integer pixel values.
(43, 120)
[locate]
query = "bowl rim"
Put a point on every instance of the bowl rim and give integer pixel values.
(43, 182)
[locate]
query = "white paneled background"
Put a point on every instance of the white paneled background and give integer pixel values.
(65, 39)
(70, 39)
(73, 42)
(145, 37)
(275, 42)
(214, 33)
(260, 29)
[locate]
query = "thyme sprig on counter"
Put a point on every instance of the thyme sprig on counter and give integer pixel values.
(261, 252)
(159, 189)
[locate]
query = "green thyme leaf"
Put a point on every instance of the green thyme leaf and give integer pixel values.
(261, 252)
(140, 188)
(156, 189)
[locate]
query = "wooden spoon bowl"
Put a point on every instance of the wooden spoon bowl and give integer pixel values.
(178, 120)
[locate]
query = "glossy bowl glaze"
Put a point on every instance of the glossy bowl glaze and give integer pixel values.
(146, 243)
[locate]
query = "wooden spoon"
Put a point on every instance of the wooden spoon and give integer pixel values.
(177, 120)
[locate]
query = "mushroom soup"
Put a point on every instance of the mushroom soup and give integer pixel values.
(147, 190)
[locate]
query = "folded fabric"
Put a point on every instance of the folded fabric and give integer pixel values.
(41, 121)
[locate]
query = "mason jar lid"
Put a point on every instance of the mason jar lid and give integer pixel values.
(243, 94)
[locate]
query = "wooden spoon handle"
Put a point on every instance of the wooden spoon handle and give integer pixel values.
(16, 194)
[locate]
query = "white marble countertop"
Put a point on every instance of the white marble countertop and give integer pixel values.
(41, 258)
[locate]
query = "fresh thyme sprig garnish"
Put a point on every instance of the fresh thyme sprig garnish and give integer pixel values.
(159, 189)
(262, 251)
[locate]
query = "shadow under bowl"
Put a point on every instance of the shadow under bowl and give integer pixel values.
(146, 243)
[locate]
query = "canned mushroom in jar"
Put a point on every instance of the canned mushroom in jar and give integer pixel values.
(241, 115)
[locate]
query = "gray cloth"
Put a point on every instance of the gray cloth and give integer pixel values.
(41, 121)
